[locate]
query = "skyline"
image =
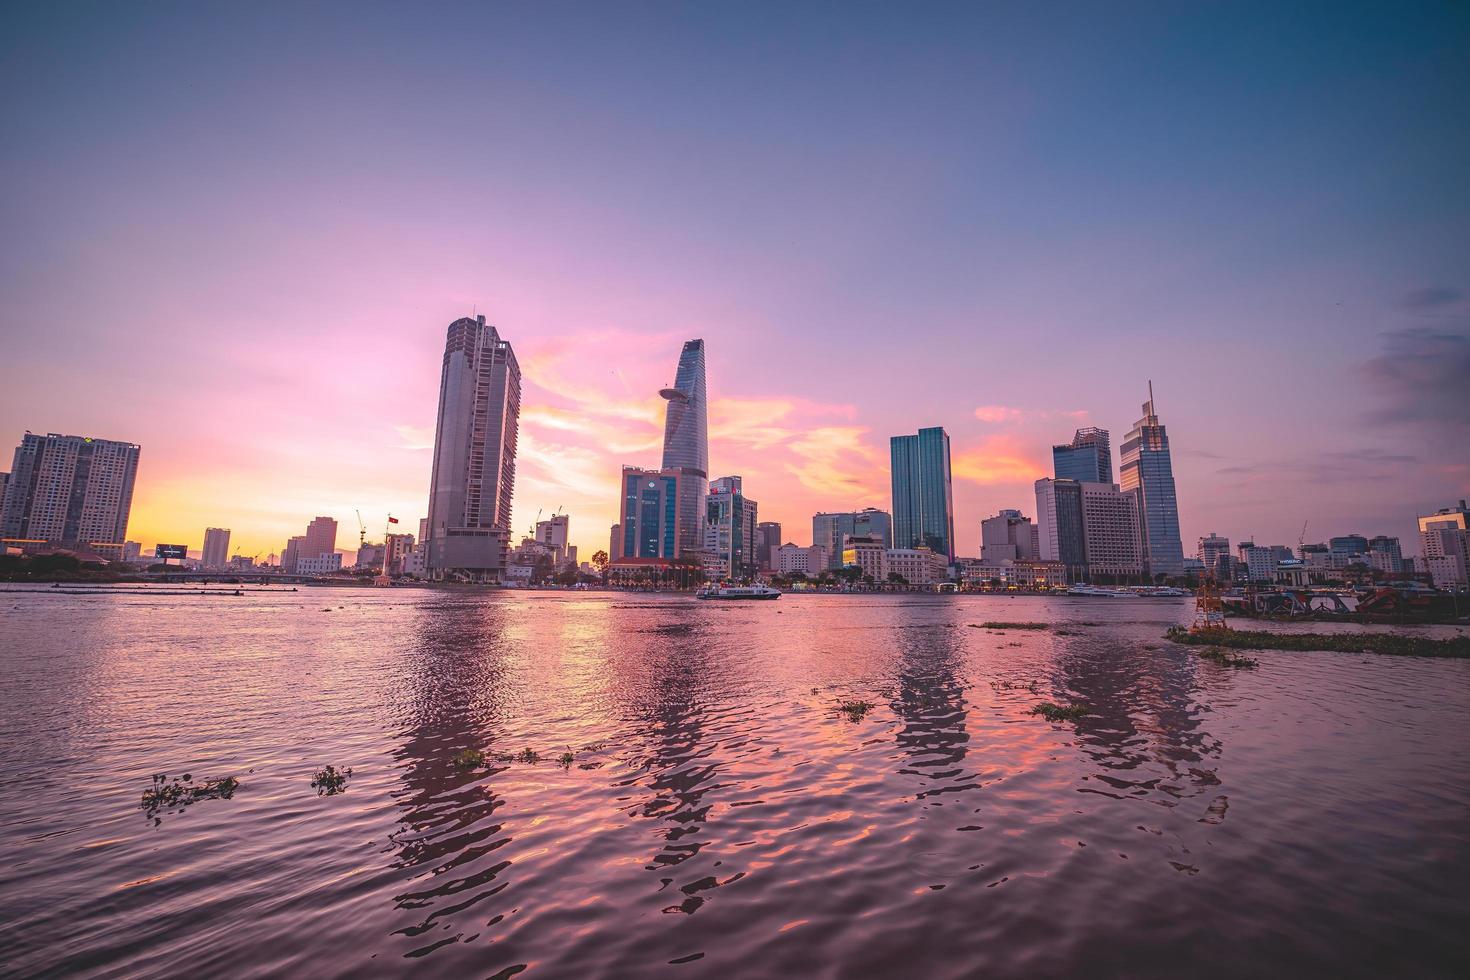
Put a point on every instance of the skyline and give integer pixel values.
(1277, 238)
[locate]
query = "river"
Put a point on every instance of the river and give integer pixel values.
(719, 815)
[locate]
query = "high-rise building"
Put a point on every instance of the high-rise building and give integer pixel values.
(1259, 561)
(1347, 549)
(615, 543)
(686, 441)
(1008, 537)
(923, 501)
(1147, 468)
(553, 534)
(730, 519)
(474, 471)
(1390, 557)
(69, 489)
(1445, 538)
(292, 554)
(767, 540)
(320, 538)
(1059, 525)
(829, 531)
(1087, 459)
(1112, 532)
(651, 526)
(1210, 550)
(791, 558)
(216, 552)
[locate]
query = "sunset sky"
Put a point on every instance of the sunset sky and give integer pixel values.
(236, 235)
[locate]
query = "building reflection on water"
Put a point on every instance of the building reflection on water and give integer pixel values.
(456, 689)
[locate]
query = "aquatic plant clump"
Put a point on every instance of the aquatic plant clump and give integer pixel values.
(529, 756)
(855, 710)
(1227, 659)
(566, 759)
(1013, 626)
(1390, 644)
(1059, 712)
(181, 791)
(330, 781)
(469, 759)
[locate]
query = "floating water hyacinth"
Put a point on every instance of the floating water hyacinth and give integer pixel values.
(1059, 712)
(331, 780)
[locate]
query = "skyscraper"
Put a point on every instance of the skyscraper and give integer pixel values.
(1445, 538)
(216, 553)
(71, 489)
(923, 502)
(1147, 469)
(1087, 459)
(686, 441)
(767, 540)
(830, 531)
(320, 538)
(730, 520)
(474, 471)
(1059, 525)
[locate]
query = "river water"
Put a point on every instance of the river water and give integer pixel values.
(720, 816)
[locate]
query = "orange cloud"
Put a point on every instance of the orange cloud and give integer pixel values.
(998, 459)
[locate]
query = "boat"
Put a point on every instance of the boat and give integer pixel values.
(739, 592)
(1101, 593)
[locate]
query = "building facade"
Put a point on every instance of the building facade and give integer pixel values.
(923, 499)
(865, 552)
(216, 551)
(730, 520)
(652, 524)
(916, 566)
(320, 538)
(69, 490)
(474, 470)
(1009, 537)
(1444, 537)
(328, 564)
(1148, 469)
(829, 531)
(791, 559)
(686, 441)
(767, 540)
(1111, 530)
(1059, 525)
(1088, 458)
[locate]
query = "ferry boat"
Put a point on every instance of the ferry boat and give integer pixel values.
(1097, 592)
(739, 592)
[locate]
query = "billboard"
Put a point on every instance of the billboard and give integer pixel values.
(166, 551)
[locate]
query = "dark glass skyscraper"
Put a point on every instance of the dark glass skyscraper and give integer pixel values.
(1087, 459)
(686, 442)
(1146, 468)
(923, 502)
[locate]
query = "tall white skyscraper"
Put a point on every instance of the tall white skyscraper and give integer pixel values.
(71, 489)
(474, 470)
(216, 552)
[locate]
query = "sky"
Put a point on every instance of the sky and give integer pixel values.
(236, 234)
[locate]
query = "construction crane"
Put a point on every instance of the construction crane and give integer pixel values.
(1301, 539)
(361, 531)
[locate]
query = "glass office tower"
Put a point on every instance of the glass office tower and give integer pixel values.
(923, 502)
(1087, 459)
(686, 442)
(1146, 468)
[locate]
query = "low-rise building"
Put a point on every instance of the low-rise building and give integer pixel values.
(790, 559)
(916, 566)
(328, 564)
(865, 551)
